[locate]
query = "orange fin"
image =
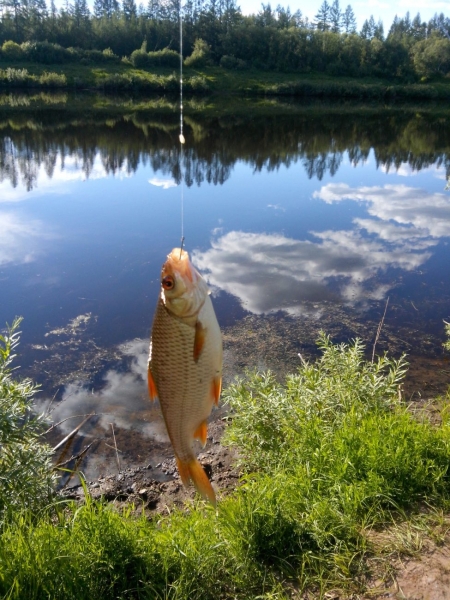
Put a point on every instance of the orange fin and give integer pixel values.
(201, 432)
(216, 388)
(193, 470)
(199, 340)
(152, 391)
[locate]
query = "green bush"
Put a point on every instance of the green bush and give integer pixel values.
(15, 77)
(201, 55)
(164, 58)
(53, 80)
(12, 51)
(46, 53)
(139, 59)
(25, 466)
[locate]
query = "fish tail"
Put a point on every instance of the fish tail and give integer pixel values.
(193, 470)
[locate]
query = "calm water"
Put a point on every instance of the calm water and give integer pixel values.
(300, 220)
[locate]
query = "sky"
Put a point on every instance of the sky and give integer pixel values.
(380, 9)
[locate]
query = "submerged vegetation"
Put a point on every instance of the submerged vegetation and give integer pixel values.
(327, 458)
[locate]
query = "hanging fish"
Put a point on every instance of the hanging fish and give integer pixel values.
(185, 363)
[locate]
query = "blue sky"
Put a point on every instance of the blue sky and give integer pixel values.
(380, 9)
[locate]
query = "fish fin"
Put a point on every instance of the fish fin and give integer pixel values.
(216, 388)
(152, 391)
(193, 470)
(201, 432)
(199, 340)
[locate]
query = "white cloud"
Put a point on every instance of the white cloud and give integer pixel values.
(165, 184)
(20, 240)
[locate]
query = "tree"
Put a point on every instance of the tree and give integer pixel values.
(335, 17)
(129, 9)
(368, 28)
(432, 56)
(323, 17)
(439, 24)
(349, 20)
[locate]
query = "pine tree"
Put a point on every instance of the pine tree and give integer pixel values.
(368, 28)
(335, 17)
(323, 17)
(349, 20)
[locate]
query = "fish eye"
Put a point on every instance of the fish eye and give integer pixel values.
(168, 282)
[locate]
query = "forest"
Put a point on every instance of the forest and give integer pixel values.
(215, 32)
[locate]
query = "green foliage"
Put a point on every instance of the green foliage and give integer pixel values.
(201, 55)
(15, 77)
(46, 53)
(432, 57)
(53, 80)
(139, 59)
(25, 467)
(12, 51)
(164, 58)
(332, 453)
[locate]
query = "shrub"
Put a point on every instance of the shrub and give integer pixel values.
(201, 55)
(196, 85)
(53, 80)
(25, 466)
(46, 53)
(164, 58)
(12, 51)
(139, 59)
(15, 77)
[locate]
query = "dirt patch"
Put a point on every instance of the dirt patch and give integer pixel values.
(157, 489)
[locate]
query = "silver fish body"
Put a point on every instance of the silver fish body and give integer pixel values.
(185, 363)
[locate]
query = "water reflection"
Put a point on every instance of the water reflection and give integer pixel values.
(427, 213)
(21, 240)
(269, 273)
(319, 141)
(122, 399)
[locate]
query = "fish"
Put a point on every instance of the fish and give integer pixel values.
(185, 363)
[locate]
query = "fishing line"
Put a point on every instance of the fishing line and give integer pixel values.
(181, 136)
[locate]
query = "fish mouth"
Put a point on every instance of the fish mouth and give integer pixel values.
(179, 261)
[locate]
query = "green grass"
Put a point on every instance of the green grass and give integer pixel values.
(218, 81)
(328, 458)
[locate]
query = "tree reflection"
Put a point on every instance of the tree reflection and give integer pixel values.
(317, 139)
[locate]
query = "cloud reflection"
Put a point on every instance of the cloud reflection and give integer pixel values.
(123, 399)
(20, 241)
(429, 212)
(270, 272)
(165, 184)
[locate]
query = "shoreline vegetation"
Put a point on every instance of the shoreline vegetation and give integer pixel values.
(215, 83)
(121, 46)
(339, 478)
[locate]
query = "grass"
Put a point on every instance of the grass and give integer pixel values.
(212, 80)
(328, 458)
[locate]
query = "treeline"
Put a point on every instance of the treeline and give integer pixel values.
(216, 32)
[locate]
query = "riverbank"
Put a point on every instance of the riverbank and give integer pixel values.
(211, 81)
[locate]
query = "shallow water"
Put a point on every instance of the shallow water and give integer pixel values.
(300, 219)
